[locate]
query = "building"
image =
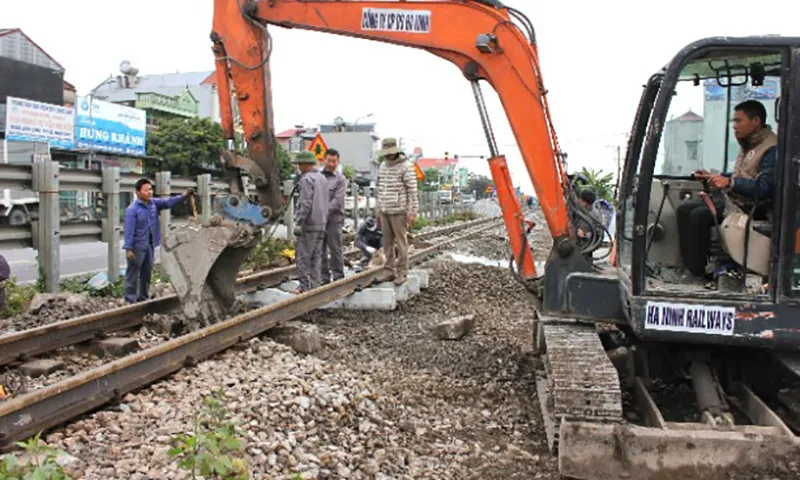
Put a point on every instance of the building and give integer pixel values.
(683, 145)
(192, 94)
(27, 72)
(356, 143)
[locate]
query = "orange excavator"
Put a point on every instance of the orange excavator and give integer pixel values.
(605, 330)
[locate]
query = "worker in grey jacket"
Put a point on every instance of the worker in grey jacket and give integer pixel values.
(310, 220)
(332, 255)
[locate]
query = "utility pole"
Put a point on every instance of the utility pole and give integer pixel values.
(619, 168)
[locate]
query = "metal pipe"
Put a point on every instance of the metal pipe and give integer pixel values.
(487, 126)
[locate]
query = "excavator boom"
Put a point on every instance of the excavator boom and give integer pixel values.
(480, 38)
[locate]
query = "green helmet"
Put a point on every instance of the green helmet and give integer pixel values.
(305, 157)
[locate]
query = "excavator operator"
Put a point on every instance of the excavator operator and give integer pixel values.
(752, 180)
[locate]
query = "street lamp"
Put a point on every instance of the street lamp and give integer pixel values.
(91, 122)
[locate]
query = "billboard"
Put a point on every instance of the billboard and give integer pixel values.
(32, 82)
(769, 91)
(108, 127)
(30, 121)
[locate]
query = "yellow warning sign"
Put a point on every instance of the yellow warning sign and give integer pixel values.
(318, 147)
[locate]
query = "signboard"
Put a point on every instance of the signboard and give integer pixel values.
(318, 147)
(29, 121)
(396, 20)
(689, 318)
(769, 91)
(418, 171)
(109, 127)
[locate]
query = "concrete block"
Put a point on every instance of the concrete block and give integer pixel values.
(454, 328)
(262, 298)
(400, 291)
(422, 275)
(42, 366)
(303, 338)
(289, 286)
(368, 299)
(413, 285)
(115, 346)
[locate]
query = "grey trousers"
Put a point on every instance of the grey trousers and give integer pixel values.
(308, 254)
(332, 256)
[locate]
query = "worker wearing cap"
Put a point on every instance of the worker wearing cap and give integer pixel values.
(310, 221)
(397, 205)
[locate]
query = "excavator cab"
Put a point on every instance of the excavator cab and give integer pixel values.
(684, 124)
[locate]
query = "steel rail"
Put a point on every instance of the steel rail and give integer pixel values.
(20, 346)
(45, 408)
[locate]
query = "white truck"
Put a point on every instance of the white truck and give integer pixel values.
(18, 207)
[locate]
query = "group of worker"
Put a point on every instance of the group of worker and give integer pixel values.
(319, 216)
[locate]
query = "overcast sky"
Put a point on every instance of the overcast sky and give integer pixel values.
(595, 56)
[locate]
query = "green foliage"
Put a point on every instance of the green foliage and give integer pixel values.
(431, 182)
(420, 223)
(285, 162)
(478, 185)
(603, 184)
(213, 449)
(348, 171)
(43, 464)
(18, 297)
(187, 146)
(268, 254)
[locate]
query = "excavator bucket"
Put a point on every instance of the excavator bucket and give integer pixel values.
(203, 262)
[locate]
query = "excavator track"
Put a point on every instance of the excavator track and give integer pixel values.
(579, 382)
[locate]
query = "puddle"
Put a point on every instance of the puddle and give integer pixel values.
(466, 258)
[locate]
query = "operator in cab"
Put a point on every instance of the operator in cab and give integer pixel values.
(753, 178)
(332, 255)
(310, 221)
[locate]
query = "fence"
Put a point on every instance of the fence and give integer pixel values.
(46, 231)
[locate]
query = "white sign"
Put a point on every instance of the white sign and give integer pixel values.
(684, 317)
(30, 121)
(396, 20)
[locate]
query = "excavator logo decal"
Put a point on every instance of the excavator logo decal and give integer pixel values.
(396, 20)
(680, 317)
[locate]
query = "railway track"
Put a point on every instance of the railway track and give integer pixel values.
(52, 405)
(27, 344)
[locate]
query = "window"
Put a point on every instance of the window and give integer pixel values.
(691, 150)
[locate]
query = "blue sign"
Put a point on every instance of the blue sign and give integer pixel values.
(769, 91)
(108, 127)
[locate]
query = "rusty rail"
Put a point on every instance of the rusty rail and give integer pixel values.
(50, 406)
(20, 346)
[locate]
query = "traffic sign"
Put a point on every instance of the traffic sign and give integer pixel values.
(419, 172)
(318, 147)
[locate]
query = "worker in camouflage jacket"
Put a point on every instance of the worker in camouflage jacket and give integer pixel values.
(310, 221)
(398, 206)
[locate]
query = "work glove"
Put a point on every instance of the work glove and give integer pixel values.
(298, 231)
(189, 192)
(371, 249)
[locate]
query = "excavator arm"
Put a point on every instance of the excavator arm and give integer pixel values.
(480, 38)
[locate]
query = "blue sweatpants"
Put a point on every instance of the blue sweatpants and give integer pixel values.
(140, 268)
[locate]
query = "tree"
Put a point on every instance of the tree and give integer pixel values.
(602, 184)
(478, 184)
(348, 171)
(431, 182)
(187, 146)
(284, 162)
